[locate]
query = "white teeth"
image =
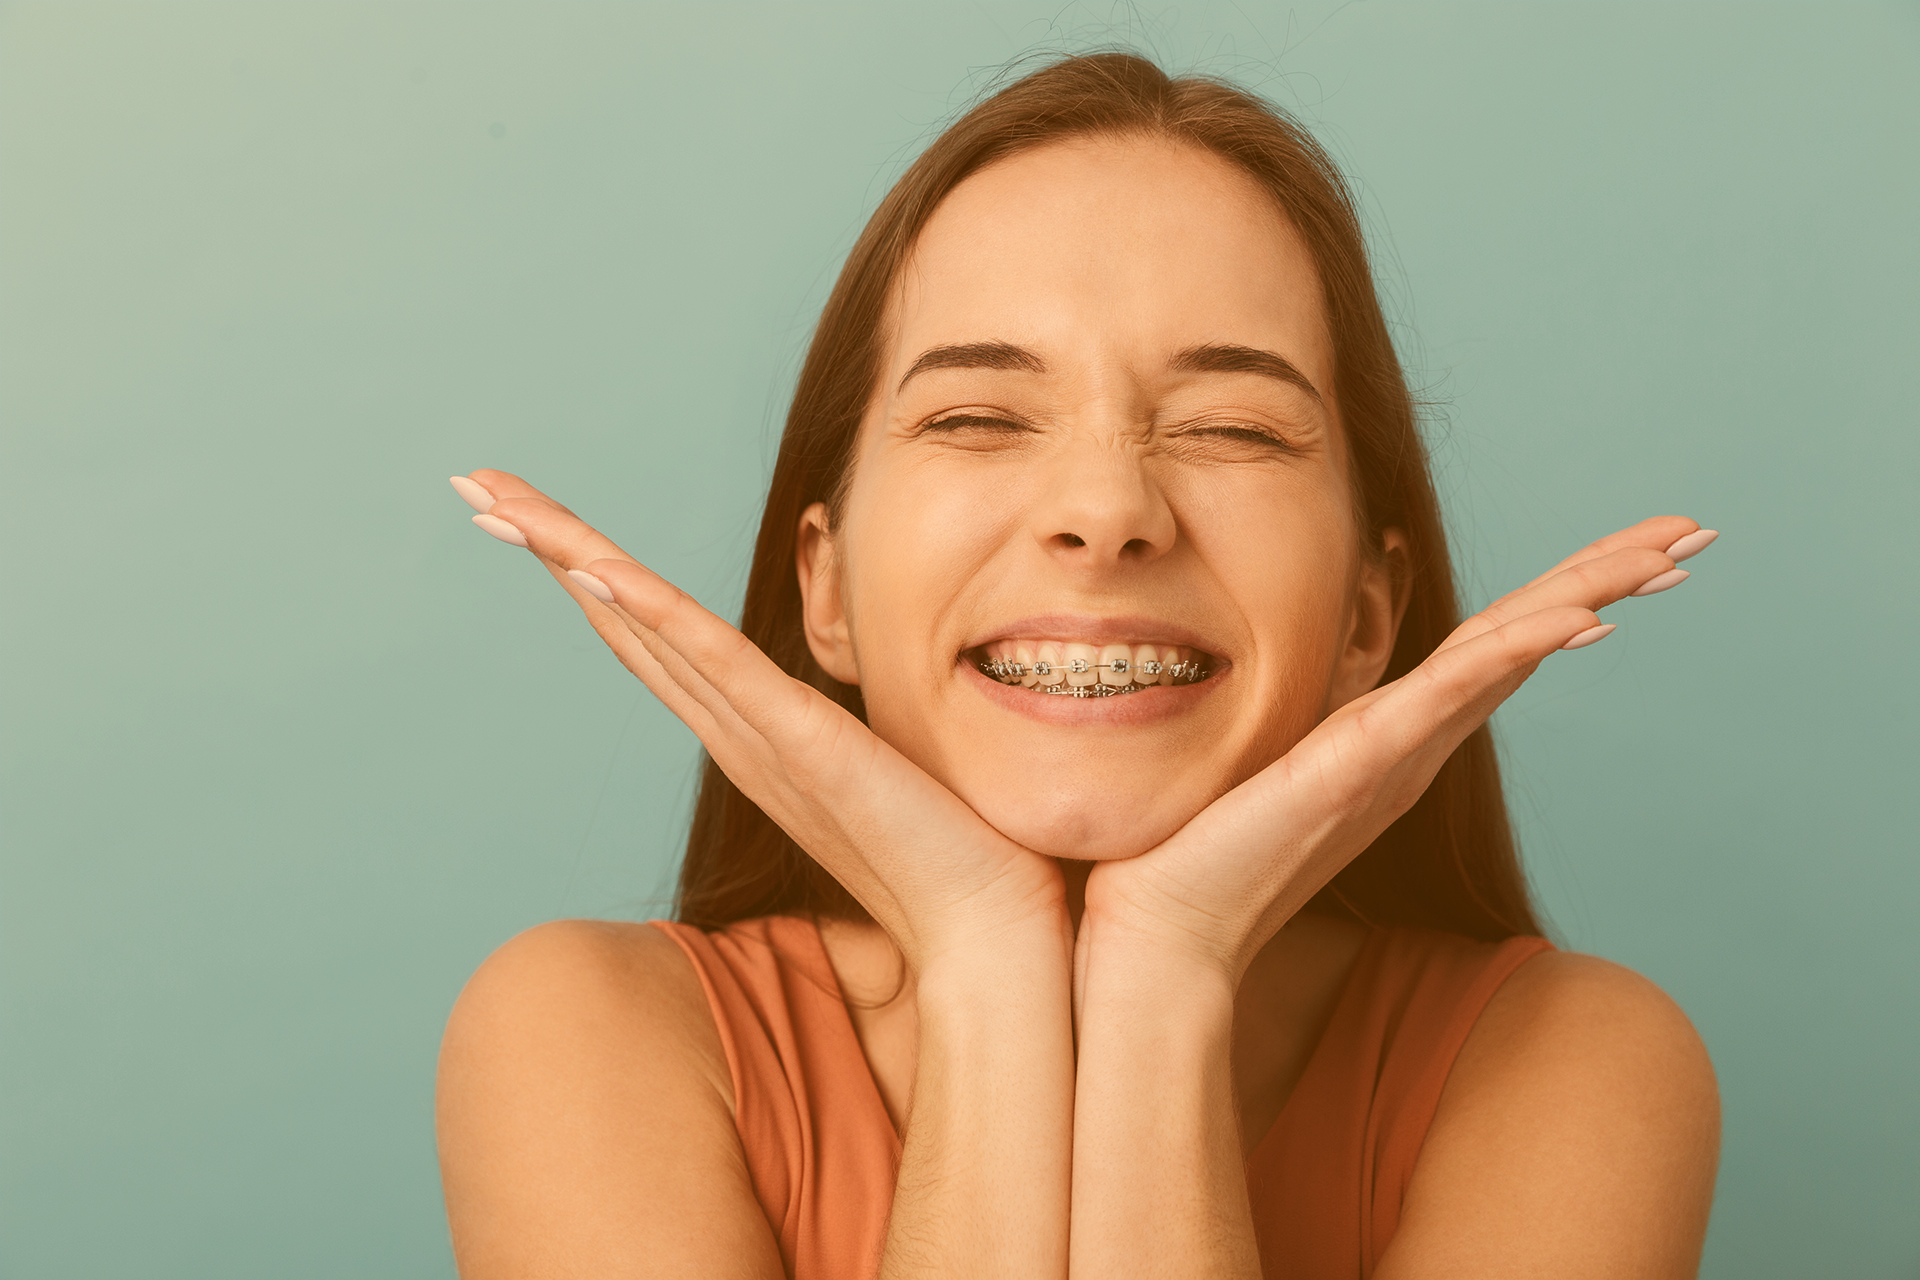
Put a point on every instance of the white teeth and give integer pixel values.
(1048, 656)
(1089, 671)
(1080, 659)
(1137, 662)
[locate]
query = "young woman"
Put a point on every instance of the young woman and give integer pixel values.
(1102, 868)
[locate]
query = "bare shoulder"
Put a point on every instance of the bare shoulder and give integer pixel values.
(584, 1114)
(582, 987)
(1585, 1018)
(1578, 1134)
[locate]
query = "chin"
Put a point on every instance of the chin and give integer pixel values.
(1084, 824)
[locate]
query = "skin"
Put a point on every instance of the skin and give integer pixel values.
(1212, 508)
(1109, 990)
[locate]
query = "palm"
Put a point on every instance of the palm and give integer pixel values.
(1235, 873)
(933, 873)
(924, 865)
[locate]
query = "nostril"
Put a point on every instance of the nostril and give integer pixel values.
(1073, 540)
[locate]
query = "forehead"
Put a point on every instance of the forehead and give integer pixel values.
(1112, 248)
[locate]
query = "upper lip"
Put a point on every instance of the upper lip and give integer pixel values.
(1087, 629)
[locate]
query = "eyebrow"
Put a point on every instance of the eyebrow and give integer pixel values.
(1209, 357)
(1218, 357)
(975, 355)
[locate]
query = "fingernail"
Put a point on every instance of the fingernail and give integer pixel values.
(501, 529)
(592, 586)
(1693, 544)
(476, 496)
(1592, 635)
(1671, 578)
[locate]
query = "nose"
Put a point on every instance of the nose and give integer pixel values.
(1101, 509)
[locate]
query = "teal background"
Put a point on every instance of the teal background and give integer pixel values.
(289, 747)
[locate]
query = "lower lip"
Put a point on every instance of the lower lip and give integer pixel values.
(1149, 706)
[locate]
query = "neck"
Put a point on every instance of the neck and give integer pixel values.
(1076, 874)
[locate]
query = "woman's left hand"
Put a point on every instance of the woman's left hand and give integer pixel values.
(1220, 887)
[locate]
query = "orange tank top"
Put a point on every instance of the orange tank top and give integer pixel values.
(1326, 1182)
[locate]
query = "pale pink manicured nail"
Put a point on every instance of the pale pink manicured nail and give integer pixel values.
(1592, 635)
(1693, 544)
(501, 529)
(476, 496)
(1671, 578)
(592, 586)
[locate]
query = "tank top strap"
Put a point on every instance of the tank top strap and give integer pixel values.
(820, 1148)
(1328, 1180)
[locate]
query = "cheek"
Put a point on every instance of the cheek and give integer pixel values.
(1288, 566)
(918, 536)
(915, 552)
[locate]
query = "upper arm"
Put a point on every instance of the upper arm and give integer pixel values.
(1578, 1135)
(585, 1120)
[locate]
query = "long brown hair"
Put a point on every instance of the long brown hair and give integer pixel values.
(1450, 861)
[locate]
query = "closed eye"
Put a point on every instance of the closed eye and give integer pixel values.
(1250, 434)
(955, 421)
(1244, 433)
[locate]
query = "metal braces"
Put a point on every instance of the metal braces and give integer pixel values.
(1012, 672)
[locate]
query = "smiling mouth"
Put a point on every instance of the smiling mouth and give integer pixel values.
(1068, 670)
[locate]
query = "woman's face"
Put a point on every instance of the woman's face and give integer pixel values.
(1104, 430)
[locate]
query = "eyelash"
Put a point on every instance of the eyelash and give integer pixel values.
(1249, 435)
(973, 420)
(1252, 435)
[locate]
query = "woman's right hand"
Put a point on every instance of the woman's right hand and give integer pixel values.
(929, 870)
(985, 1170)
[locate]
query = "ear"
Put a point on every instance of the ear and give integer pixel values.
(1379, 602)
(822, 613)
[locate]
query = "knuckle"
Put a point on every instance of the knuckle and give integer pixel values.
(680, 610)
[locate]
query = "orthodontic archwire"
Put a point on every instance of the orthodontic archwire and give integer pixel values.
(1182, 672)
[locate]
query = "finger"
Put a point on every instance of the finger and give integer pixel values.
(793, 730)
(701, 657)
(562, 541)
(581, 559)
(1641, 559)
(815, 769)
(1426, 714)
(1686, 548)
(554, 533)
(624, 638)
(514, 511)
(1665, 534)
(472, 492)
(738, 747)
(484, 490)
(685, 691)
(721, 666)
(566, 544)
(502, 485)
(1473, 678)
(522, 515)
(1589, 584)
(853, 802)
(1366, 765)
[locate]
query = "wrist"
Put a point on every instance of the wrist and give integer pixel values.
(1145, 941)
(1014, 919)
(1151, 976)
(986, 970)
